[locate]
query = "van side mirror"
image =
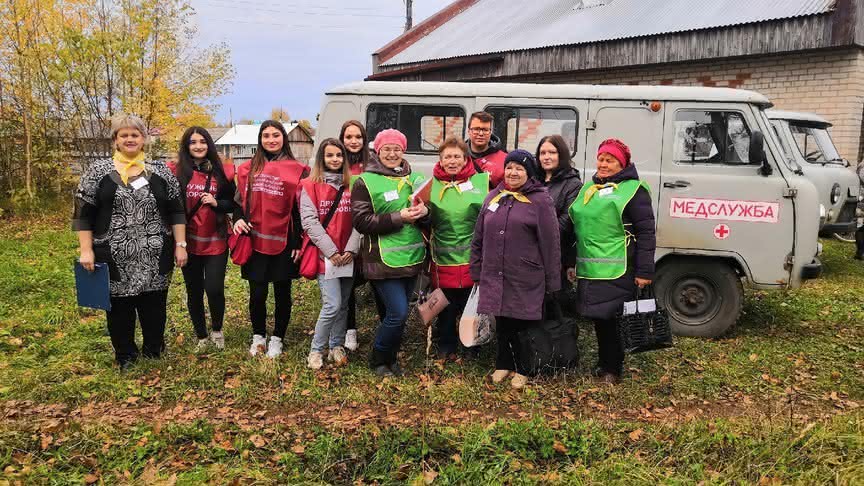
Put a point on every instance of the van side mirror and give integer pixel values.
(757, 153)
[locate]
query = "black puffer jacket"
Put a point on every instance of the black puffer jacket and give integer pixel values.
(563, 187)
(602, 299)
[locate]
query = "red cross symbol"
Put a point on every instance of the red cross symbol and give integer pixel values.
(721, 231)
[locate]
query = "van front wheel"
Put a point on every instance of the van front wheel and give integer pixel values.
(703, 297)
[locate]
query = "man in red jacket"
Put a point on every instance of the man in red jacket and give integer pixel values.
(485, 147)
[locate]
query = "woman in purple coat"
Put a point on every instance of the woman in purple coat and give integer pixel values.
(516, 258)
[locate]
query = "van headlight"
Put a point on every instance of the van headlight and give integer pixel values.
(835, 193)
(821, 211)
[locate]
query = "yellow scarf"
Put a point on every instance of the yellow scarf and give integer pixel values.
(516, 195)
(127, 163)
(593, 190)
(401, 181)
(448, 185)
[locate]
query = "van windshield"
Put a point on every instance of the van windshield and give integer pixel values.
(815, 144)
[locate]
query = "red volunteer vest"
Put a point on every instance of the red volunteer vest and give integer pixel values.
(493, 164)
(274, 192)
(339, 229)
(356, 169)
(203, 234)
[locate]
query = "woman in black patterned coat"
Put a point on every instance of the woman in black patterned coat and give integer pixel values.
(129, 215)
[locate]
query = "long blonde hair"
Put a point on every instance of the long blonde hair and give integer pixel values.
(319, 168)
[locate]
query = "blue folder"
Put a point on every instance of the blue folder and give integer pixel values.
(92, 287)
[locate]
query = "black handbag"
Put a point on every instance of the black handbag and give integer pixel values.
(645, 329)
(551, 346)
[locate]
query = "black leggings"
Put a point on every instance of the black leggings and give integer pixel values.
(205, 273)
(150, 308)
(352, 303)
(258, 307)
(507, 330)
(610, 352)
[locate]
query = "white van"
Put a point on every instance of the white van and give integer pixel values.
(806, 142)
(729, 207)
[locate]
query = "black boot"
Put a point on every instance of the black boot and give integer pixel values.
(379, 361)
(859, 244)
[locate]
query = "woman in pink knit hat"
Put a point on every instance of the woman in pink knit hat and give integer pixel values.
(393, 250)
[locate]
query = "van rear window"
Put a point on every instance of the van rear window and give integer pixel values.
(523, 127)
(711, 137)
(425, 126)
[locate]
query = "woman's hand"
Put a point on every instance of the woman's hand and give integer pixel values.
(336, 259)
(347, 258)
(571, 275)
(208, 199)
(241, 227)
(413, 213)
(642, 282)
(180, 256)
(296, 255)
(88, 260)
(421, 210)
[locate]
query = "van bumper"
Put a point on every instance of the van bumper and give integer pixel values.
(811, 270)
(838, 228)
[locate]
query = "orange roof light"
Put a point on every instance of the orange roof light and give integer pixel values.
(655, 106)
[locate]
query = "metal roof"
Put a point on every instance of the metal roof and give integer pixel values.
(796, 116)
(246, 134)
(492, 26)
(553, 91)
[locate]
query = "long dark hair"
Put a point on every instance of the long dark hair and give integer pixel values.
(364, 156)
(185, 161)
(319, 168)
(563, 151)
(261, 155)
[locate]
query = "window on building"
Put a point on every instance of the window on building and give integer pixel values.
(711, 137)
(523, 127)
(425, 126)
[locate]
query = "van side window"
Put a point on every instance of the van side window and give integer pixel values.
(711, 137)
(523, 127)
(425, 126)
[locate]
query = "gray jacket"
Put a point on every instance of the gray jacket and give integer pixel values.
(311, 223)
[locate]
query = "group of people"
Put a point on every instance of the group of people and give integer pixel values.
(520, 226)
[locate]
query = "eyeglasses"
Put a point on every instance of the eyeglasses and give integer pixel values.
(479, 131)
(388, 150)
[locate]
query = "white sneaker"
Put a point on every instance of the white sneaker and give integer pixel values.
(202, 345)
(275, 348)
(259, 343)
(351, 339)
(337, 356)
(315, 360)
(218, 339)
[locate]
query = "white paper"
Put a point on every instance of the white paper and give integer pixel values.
(645, 305)
(138, 183)
(391, 195)
(493, 207)
(332, 271)
(466, 186)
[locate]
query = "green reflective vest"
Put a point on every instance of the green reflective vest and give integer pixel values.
(405, 247)
(454, 212)
(599, 228)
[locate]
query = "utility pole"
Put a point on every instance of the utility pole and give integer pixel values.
(408, 15)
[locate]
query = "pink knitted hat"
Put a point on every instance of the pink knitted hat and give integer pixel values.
(388, 136)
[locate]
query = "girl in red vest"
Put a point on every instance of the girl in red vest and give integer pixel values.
(329, 185)
(358, 156)
(267, 192)
(208, 189)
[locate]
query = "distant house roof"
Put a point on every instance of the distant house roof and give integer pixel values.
(495, 26)
(247, 134)
(217, 132)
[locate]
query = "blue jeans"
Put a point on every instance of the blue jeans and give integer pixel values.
(330, 328)
(395, 294)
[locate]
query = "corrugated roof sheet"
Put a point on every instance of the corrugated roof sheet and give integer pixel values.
(492, 26)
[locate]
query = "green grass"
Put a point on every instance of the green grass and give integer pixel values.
(779, 397)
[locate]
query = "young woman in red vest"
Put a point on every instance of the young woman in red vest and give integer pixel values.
(356, 142)
(267, 193)
(329, 185)
(208, 189)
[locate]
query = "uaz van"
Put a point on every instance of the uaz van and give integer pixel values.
(806, 142)
(729, 206)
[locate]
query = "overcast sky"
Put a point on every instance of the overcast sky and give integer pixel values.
(288, 52)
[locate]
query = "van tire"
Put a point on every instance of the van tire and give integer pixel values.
(704, 297)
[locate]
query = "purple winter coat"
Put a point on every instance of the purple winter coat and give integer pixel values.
(516, 254)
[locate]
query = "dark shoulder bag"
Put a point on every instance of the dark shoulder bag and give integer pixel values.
(551, 346)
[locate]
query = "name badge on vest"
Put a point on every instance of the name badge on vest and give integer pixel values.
(466, 186)
(493, 207)
(138, 183)
(606, 191)
(391, 195)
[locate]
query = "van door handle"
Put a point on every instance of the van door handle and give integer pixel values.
(676, 184)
